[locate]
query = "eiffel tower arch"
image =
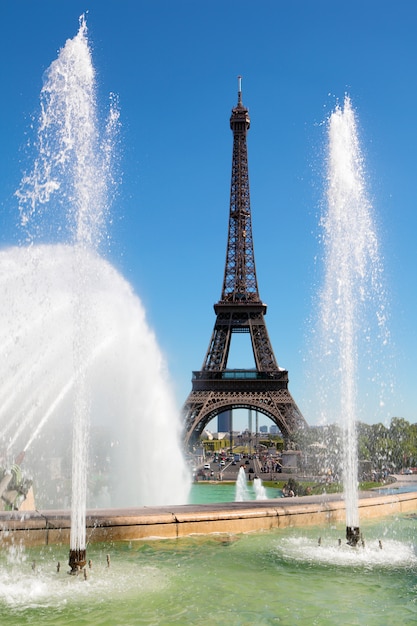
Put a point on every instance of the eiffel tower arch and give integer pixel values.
(215, 388)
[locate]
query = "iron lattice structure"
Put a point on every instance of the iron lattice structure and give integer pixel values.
(240, 310)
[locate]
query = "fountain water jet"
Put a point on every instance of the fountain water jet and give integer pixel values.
(260, 491)
(241, 490)
(77, 340)
(352, 281)
(130, 395)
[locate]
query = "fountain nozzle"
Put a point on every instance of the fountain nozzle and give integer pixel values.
(352, 535)
(77, 560)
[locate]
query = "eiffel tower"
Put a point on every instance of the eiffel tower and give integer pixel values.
(215, 388)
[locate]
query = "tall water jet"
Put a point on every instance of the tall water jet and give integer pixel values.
(260, 491)
(241, 488)
(77, 341)
(352, 283)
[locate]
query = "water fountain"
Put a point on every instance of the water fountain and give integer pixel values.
(78, 346)
(352, 282)
(260, 491)
(148, 581)
(241, 490)
(263, 578)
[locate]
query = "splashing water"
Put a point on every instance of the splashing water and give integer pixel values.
(76, 339)
(260, 491)
(393, 554)
(241, 490)
(130, 397)
(69, 186)
(352, 284)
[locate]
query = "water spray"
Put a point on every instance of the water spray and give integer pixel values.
(352, 279)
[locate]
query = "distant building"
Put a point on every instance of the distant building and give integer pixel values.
(274, 430)
(224, 422)
(263, 429)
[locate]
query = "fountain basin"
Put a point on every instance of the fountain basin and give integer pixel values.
(263, 578)
(40, 528)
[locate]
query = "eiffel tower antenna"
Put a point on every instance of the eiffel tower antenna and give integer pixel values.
(215, 388)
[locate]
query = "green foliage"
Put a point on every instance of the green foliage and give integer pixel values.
(268, 443)
(384, 448)
(391, 448)
(305, 488)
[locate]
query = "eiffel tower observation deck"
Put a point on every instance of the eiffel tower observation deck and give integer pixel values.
(215, 388)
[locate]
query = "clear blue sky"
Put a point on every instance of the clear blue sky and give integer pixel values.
(174, 67)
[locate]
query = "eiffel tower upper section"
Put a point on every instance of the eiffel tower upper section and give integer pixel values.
(240, 303)
(240, 284)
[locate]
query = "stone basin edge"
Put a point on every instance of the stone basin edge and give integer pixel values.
(35, 528)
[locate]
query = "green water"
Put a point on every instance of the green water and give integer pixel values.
(210, 492)
(280, 577)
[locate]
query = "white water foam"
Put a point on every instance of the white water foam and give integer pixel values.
(41, 586)
(392, 554)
